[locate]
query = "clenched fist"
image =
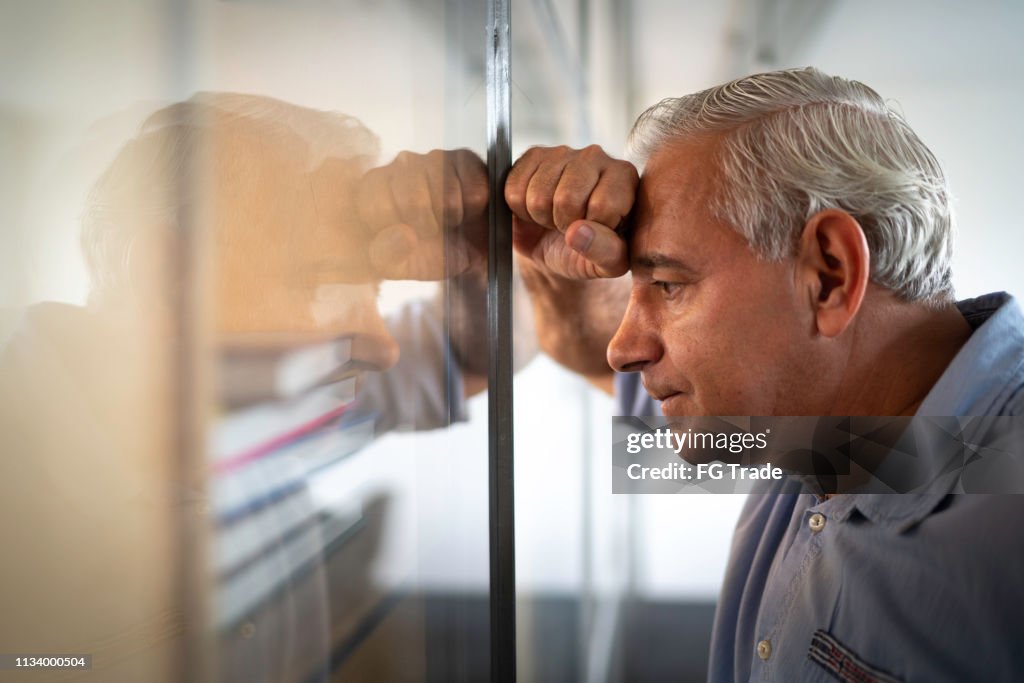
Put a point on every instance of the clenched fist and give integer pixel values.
(426, 215)
(568, 206)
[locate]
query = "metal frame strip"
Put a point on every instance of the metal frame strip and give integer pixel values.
(499, 323)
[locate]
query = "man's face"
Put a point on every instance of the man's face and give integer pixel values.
(713, 329)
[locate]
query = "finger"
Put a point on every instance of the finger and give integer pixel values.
(526, 235)
(422, 258)
(374, 200)
(573, 192)
(410, 191)
(518, 181)
(445, 193)
(600, 245)
(540, 194)
(474, 185)
(613, 197)
(446, 258)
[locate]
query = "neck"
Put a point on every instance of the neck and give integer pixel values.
(898, 352)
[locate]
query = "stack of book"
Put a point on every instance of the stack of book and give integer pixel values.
(289, 416)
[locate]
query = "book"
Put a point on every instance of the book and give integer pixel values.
(260, 367)
(266, 500)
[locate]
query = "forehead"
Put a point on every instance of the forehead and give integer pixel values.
(683, 168)
(674, 214)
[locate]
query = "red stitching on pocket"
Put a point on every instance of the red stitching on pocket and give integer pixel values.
(842, 662)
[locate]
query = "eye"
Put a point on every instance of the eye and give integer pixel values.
(669, 290)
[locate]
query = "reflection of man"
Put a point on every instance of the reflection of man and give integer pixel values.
(790, 255)
(295, 234)
(278, 196)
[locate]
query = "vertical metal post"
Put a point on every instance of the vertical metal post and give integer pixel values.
(499, 323)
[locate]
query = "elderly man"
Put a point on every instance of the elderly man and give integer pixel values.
(790, 246)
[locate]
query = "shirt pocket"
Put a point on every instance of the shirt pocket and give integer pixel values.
(843, 663)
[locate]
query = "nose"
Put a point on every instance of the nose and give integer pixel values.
(377, 352)
(372, 343)
(635, 344)
(351, 311)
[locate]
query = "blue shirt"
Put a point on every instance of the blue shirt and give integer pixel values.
(892, 587)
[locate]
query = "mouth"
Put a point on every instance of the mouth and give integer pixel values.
(673, 400)
(662, 397)
(659, 393)
(673, 403)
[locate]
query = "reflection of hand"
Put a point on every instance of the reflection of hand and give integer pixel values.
(567, 205)
(427, 215)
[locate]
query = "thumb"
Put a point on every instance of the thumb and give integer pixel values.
(600, 245)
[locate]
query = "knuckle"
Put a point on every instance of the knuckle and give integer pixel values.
(371, 177)
(515, 195)
(610, 207)
(452, 205)
(532, 153)
(600, 206)
(439, 159)
(475, 196)
(593, 153)
(567, 200)
(538, 204)
(420, 206)
(629, 172)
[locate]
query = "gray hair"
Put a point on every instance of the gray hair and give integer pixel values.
(796, 142)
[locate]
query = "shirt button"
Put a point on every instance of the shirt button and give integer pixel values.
(816, 522)
(764, 649)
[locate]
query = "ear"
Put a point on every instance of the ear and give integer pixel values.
(834, 265)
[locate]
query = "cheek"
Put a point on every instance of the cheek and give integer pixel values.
(348, 309)
(734, 358)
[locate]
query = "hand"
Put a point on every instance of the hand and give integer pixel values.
(426, 215)
(567, 206)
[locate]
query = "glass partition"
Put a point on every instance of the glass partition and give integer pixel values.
(572, 551)
(244, 266)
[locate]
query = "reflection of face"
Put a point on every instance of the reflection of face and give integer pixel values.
(713, 329)
(284, 231)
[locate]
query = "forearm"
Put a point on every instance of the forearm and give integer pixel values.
(464, 299)
(575, 319)
(466, 303)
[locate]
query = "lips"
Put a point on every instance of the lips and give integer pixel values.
(671, 390)
(673, 401)
(675, 405)
(659, 393)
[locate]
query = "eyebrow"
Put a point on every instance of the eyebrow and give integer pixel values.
(657, 260)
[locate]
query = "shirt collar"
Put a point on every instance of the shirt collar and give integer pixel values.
(986, 371)
(989, 367)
